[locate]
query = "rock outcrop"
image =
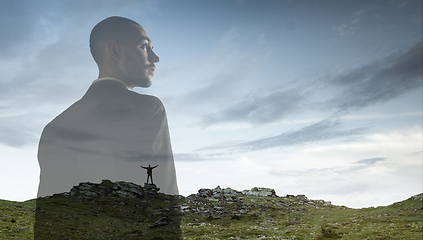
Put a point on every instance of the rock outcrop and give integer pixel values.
(109, 210)
(217, 194)
(231, 195)
(120, 189)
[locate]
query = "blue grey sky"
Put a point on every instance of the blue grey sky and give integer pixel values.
(322, 98)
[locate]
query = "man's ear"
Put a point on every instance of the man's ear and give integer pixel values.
(114, 50)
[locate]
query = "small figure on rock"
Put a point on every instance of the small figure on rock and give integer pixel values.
(150, 172)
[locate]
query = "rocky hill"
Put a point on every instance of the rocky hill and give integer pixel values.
(122, 210)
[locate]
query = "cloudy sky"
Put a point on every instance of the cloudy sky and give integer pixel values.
(322, 98)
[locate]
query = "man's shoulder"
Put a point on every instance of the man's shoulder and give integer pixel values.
(104, 101)
(146, 99)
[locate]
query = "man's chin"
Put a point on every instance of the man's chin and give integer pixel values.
(148, 85)
(145, 83)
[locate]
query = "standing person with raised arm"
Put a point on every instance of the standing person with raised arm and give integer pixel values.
(150, 172)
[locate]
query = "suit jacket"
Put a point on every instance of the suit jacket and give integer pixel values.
(108, 134)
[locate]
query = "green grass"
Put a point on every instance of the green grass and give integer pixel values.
(254, 217)
(300, 220)
(16, 219)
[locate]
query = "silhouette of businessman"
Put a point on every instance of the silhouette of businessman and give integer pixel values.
(106, 133)
(150, 172)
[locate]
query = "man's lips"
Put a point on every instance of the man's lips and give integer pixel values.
(151, 69)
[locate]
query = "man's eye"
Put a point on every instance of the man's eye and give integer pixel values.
(143, 46)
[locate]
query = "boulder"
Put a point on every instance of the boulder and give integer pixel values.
(204, 192)
(217, 190)
(259, 191)
(163, 222)
(301, 197)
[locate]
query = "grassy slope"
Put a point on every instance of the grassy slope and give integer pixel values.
(265, 218)
(303, 221)
(16, 219)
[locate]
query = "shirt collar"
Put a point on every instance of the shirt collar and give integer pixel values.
(113, 79)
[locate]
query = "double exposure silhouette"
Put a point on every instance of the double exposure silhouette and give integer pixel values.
(111, 130)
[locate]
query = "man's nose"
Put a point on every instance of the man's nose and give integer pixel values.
(152, 57)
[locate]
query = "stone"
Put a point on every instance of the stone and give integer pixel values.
(151, 188)
(135, 191)
(301, 197)
(218, 195)
(163, 222)
(206, 192)
(85, 186)
(217, 189)
(256, 191)
(185, 208)
(230, 191)
(124, 194)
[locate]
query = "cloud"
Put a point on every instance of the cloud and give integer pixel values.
(349, 29)
(200, 156)
(370, 161)
(398, 3)
(336, 93)
(352, 27)
(355, 167)
(16, 132)
(224, 75)
(323, 130)
(188, 157)
(257, 110)
(217, 90)
(361, 165)
(18, 23)
(298, 173)
(417, 153)
(377, 82)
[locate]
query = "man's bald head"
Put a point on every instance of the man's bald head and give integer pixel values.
(118, 29)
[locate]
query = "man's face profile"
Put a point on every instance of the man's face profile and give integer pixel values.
(138, 59)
